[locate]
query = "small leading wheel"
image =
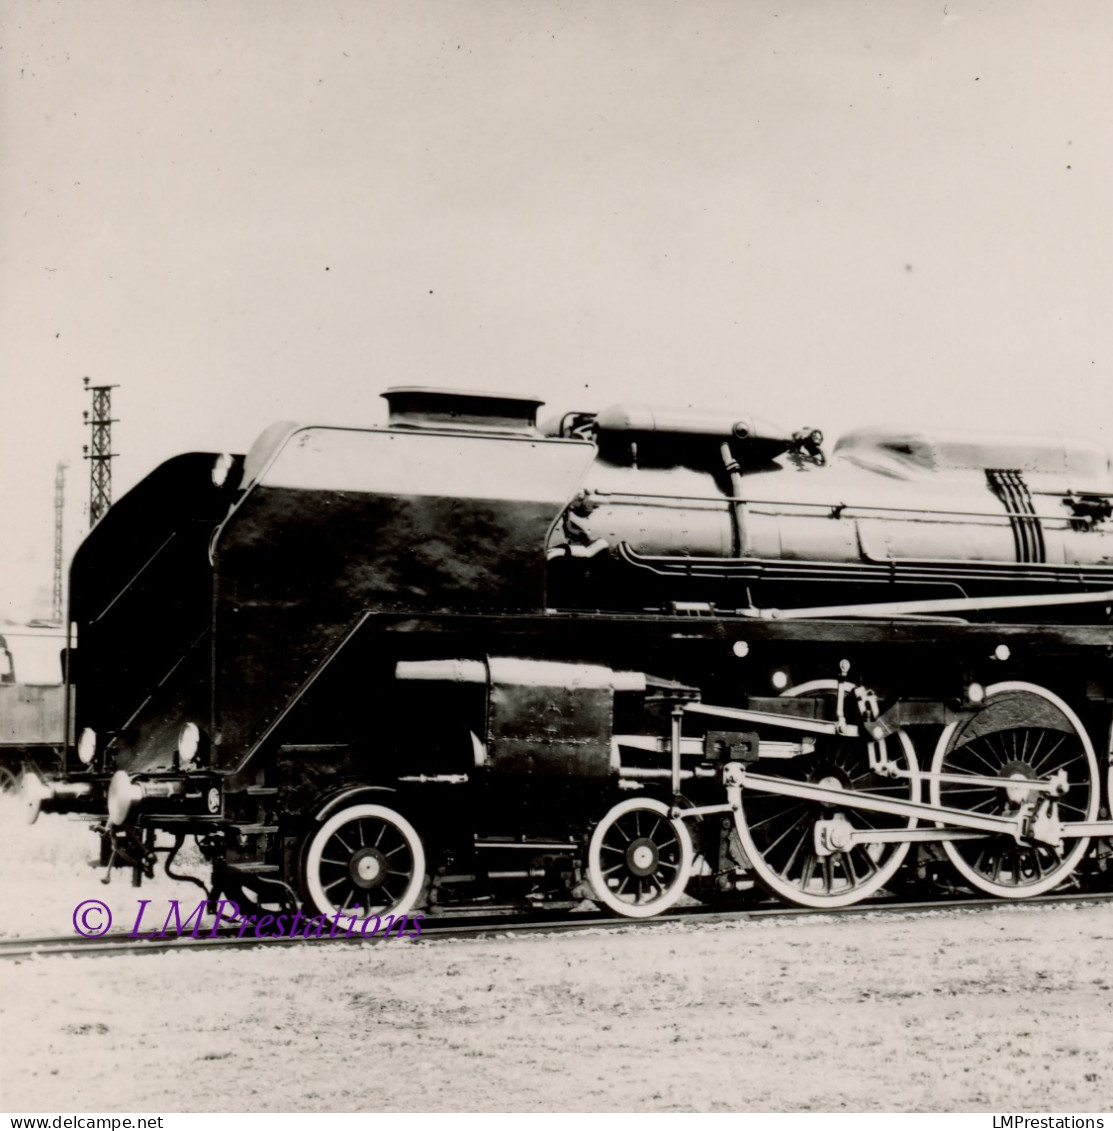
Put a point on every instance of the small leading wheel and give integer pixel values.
(364, 860)
(779, 834)
(1023, 732)
(639, 859)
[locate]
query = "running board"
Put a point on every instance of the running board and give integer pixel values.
(934, 606)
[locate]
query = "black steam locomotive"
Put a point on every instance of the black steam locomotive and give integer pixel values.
(634, 654)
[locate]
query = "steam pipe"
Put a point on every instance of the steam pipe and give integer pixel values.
(738, 506)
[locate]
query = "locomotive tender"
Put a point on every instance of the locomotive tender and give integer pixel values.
(634, 654)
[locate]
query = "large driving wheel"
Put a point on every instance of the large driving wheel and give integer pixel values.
(778, 833)
(639, 858)
(364, 860)
(1025, 733)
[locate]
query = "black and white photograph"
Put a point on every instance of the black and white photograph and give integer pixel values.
(557, 557)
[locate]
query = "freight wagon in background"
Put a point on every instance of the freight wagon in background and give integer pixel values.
(632, 654)
(32, 701)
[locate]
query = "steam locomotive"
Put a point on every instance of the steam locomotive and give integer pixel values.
(630, 655)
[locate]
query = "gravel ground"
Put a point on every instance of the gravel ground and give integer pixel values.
(1008, 1010)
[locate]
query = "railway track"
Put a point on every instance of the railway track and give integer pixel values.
(478, 927)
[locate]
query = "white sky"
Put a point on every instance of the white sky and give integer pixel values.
(819, 212)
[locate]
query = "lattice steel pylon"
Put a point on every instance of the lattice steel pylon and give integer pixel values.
(56, 606)
(99, 451)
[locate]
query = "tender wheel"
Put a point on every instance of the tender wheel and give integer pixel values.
(364, 860)
(639, 860)
(1023, 732)
(778, 834)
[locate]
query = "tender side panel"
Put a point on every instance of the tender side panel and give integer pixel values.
(344, 523)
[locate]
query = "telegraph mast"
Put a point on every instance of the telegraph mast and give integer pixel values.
(56, 608)
(99, 451)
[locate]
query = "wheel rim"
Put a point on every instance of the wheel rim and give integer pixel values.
(364, 860)
(778, 833)
(639, 859)
(1053, 739)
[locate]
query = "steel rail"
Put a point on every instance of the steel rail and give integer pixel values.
(17, 949)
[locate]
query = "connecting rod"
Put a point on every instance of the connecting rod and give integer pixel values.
(1021, 826)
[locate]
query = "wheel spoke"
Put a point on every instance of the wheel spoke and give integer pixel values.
(1060, 766)
(1048, 756)
(804, 839)
(871, 867)
(808, 871)
(803, 820)
(990, 766)
(981, 807)
(778, 816)
(863, 817)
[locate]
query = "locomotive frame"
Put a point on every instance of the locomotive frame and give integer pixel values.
(426, 664)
